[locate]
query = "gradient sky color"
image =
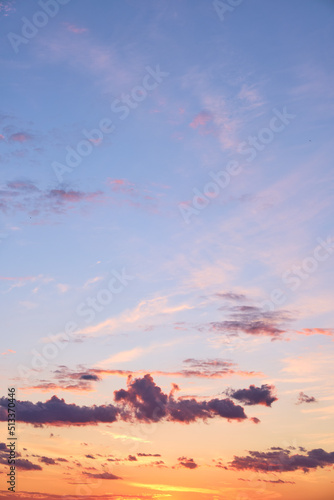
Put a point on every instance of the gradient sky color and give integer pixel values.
(167, 248)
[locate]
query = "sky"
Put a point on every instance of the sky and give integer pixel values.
(167, 243)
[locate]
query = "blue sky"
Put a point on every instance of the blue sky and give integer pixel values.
(210, 268)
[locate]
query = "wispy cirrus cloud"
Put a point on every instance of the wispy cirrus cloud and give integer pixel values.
(147, 308)
(64, 379)
(254, 321)
(77, 30)
(26, 196)
(20, 137)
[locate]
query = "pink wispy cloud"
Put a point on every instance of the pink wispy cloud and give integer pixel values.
(25, 196)
(75, 29)
(20, 137)
(9, 351)
(317, 331)
(201, 119)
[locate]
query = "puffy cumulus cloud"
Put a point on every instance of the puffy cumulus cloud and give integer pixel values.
(188, 463)
(149, 403)
(254, 395)
(56, 412)
(142, 401)
(144, 397)
(280, 460)
(303, 398)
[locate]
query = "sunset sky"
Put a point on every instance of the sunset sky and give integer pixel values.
(167, 248)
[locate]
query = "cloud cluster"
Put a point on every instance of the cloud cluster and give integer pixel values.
(143, 401)
(25, 196)
(253, 320)
(148, 403)
(280, 460)
(20, 463)
(83, 380)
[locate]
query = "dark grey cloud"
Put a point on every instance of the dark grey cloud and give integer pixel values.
(231, 296)
(48, 461)
(142, 401)
(254, 395)
(101, 475)
(55, 411)
(148, 455)
(188, 463)
(283, 461)
(149, 403)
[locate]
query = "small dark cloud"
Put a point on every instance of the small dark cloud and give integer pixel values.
(188, 463)
(24, 464)
(48, 461)
(231, 296)
(102, 475)
(89, 376)
(254, 395)
(148, 455)
(303, 398)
